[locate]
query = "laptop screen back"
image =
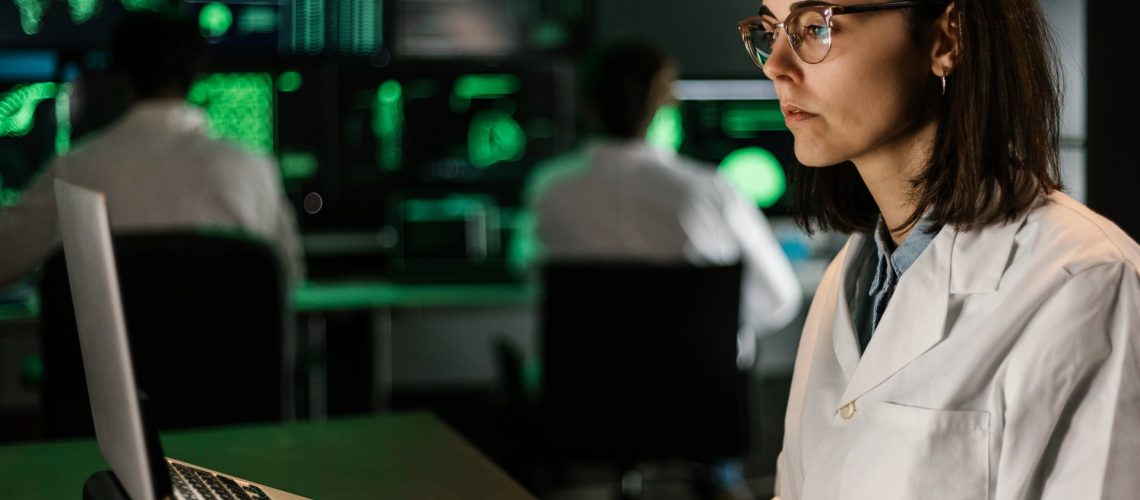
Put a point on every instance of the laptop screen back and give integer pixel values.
(115, 406)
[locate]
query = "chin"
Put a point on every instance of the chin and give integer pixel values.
(815, 157)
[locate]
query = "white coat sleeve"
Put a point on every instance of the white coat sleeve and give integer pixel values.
(30, 230)
(772, 293)
(1072, 420)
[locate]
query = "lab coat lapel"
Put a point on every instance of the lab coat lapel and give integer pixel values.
(844, 340)
(913, 321)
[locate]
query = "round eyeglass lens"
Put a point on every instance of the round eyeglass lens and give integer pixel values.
(760, 38)
(810, 35)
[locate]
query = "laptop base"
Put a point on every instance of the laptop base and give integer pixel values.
(102, 485)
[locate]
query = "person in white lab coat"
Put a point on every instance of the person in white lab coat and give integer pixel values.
(979, 335)
(157, 164)
(620, 198)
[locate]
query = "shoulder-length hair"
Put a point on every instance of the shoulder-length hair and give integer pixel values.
(995, 150)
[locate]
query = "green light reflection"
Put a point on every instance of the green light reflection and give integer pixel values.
(297, 165)
(308, 26)
(745, 120)
(136, 5)
(239, 107)
(18, 107)
(257, 19)
(666, 131)
(63, 120)
(289, 81)
(388, 124)
(215, 20)
(494, 136)
(31, 15)
(82, 10)
(470, 87)
(756, 174)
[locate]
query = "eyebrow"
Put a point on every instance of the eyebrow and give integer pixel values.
(808, 3)
(797, 5)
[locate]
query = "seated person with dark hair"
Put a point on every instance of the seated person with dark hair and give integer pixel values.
(157, 165)
(619, 198)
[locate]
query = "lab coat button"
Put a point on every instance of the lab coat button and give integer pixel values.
(847, 411)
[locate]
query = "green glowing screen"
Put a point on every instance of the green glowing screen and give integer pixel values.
(82, 10)
(666, 131)
(470, 87)
(63, 119)
(388, 123)
(257, 19)
(289, 81)
(360, 26)
(215, 20)
(297, 165)
(756, 174)
(494, 136)
(239, 107)
(746, 119)
(31, 15)
(143, 4)
(18, 107)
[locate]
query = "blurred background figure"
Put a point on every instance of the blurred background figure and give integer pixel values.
(618, 198)
(157, 165)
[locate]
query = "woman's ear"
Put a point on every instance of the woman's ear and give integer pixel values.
(947, 37)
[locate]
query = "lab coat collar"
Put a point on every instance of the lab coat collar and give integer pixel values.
(844, 339)
(164, 114)
(617, 152)
(956, 262)
(980, 257)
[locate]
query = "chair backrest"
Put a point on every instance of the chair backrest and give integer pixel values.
(206, 314)
(639, 361)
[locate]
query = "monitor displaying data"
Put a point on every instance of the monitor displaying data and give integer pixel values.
(735, 125)
(450, 124)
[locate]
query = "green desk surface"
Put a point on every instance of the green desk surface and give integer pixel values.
(371, 295)
(405, 456)
(317, 296)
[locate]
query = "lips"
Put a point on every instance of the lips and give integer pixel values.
(793, 113)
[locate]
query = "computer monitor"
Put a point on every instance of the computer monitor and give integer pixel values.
(455, 123)
(35, 107)
(63, 25)
(737, 126)
(432, 152)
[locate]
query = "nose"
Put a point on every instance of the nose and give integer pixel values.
(783, 63)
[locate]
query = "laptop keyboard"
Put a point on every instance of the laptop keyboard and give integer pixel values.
(192, 483)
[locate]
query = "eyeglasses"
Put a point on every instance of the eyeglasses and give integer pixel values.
(808, 30)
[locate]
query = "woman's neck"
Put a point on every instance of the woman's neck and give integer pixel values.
(888, 170)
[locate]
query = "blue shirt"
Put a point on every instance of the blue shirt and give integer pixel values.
(881, 271)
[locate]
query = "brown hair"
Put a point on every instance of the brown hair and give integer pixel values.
(617, 83)
(996, 147)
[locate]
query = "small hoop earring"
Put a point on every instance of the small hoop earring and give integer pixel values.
(943, 78)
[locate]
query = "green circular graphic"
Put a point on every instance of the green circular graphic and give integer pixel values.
(493, 137)
(215, 20)
(756, 174)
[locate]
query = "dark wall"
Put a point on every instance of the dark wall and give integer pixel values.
(701, 34)
(1113, 106)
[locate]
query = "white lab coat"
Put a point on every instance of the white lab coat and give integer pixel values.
(160, 170)
(1006, 366)
(629, 200)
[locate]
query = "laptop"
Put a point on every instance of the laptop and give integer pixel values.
(127, 442)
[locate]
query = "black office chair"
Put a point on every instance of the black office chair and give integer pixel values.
(207, 318)
(640, 363)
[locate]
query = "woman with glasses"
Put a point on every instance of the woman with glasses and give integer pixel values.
(979, 335)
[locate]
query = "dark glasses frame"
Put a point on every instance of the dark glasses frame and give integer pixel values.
(751, 24)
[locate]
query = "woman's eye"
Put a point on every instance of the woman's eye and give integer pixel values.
(815, 32)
